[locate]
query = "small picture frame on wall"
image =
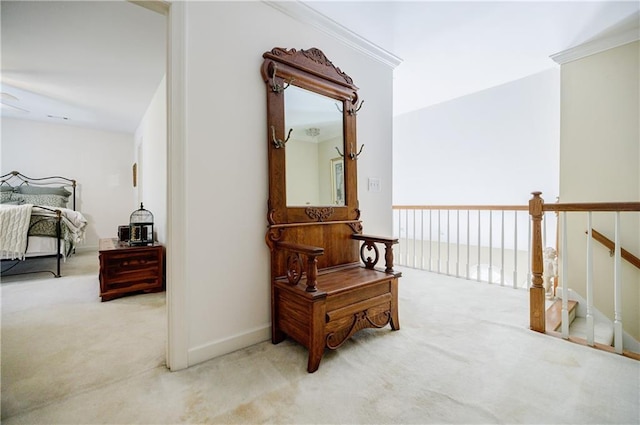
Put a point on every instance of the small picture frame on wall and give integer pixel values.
(135, 174)
(337, 181)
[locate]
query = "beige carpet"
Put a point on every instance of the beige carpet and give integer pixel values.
(464, 355)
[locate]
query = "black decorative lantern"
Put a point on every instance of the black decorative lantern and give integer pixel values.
(141, 227)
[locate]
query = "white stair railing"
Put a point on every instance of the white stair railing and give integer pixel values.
(592, 275)
(489, 243)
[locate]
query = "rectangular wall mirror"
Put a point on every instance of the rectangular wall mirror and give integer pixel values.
(314, 167)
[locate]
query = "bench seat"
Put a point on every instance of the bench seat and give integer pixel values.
(348, 298)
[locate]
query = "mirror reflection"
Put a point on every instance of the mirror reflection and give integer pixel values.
(314, 167)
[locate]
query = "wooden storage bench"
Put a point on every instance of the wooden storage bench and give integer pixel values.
(326, 311)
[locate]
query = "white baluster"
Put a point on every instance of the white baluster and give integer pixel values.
(457, 243)
(590, 319)
(421, 239)
(406, 235)
(529, 242)
(400, 236)
(414, 239)
(490, 274)
(565, 278)
(515, 250)
(502, 249)
(448, 242)
(617, 287)
(430, 240)
(479, 246)
(468, 241)
(544, 231)
(439, 240)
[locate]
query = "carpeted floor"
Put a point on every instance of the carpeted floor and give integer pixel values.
(463, 355)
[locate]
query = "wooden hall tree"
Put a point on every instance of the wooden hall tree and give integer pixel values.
(325, 286)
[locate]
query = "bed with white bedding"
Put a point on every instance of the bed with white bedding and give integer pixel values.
(38, 219)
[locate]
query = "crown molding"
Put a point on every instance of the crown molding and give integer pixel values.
(614, 38)
(309, 16)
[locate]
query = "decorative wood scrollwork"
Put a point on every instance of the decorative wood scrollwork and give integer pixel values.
(319, 213)
(361, 320)
(314, 55)
(271, 214)
(273, 235)
(368, 262)
(356, 227)
(294, 268)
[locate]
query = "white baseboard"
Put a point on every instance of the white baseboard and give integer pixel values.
(224, 346)
(87, 248)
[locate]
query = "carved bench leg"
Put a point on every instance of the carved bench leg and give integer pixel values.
(277, 336)
(316, 340)
(314, 360)
(395, 321)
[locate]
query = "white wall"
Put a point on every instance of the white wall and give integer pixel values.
(491, 147)
(100, 161)
(226, 259)
(600, 162)
(151, 156)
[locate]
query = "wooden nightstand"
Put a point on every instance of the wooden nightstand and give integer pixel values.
(127, 269)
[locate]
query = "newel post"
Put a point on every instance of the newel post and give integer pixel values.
(536, 292)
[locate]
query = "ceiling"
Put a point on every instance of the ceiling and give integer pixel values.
(454, 48)
(99, 63)
(95, 63)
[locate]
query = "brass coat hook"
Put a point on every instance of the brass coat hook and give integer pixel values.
(355, 156)
(352, 155)
(275, 87)
(276, 142)
(354, 109)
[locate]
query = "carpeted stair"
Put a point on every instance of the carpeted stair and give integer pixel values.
(603, 330)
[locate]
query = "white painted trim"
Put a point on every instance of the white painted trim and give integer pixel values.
(307, 15)
(159, 6)
(224, 346)
(177, 276)
(87, 248)
(596, 46)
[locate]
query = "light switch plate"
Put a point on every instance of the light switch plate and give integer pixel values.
(374, 184)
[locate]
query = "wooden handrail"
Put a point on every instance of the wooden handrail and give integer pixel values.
(463, 207)
(612, 246)
(593, 206)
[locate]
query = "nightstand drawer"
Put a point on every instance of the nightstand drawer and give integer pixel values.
(125, 262)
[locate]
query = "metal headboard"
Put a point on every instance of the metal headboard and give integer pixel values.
(16, 179)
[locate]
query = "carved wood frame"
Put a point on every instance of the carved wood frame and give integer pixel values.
(312, 70)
